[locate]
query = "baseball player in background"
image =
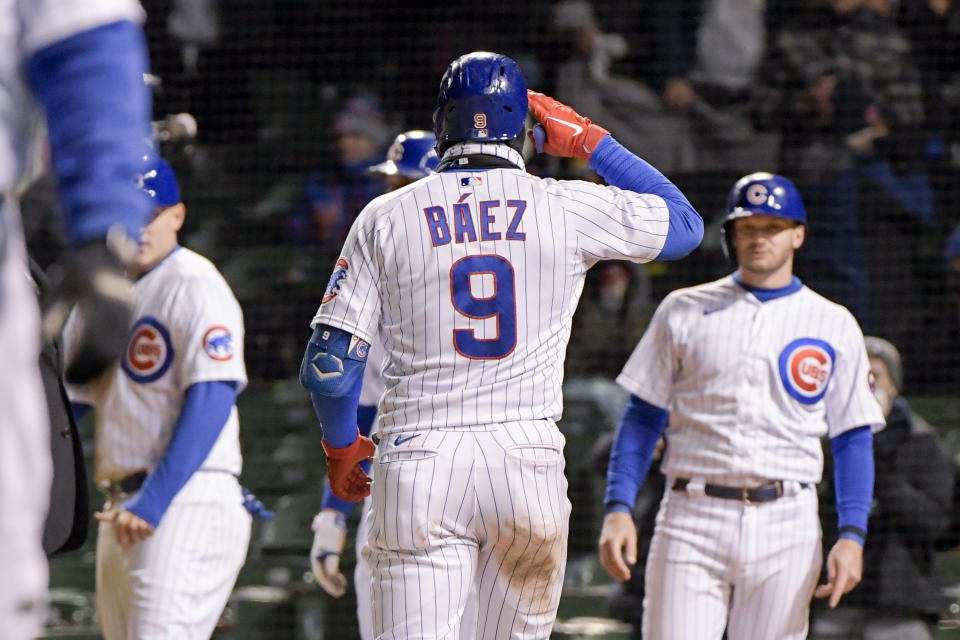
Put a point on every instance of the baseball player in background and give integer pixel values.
(173, 530)
(749, 372)
(470, 278)
(80, 64)
(411, 156)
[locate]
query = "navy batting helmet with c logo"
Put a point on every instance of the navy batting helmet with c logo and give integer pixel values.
(760, 194)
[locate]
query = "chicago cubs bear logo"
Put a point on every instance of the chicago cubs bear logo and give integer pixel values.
(149, 351)
(218, 343)
(333, 286)
(806, 365)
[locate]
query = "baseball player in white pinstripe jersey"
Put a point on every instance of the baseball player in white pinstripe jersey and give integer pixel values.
(174, 529)
(411, 156)
(79, 63)
(744, 375)
(470, 277)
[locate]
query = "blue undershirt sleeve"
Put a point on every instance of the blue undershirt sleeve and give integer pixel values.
(621, 168)
(853, 480)
(641, 426)
(206, 407)
(98, 113)
(365, 416)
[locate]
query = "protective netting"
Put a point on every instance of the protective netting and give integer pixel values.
(856, 101)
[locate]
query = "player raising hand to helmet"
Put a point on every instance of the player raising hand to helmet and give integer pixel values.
(470, 278)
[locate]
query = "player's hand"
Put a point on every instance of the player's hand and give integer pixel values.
(347, 479)
(618, 545)
(94, 279)
(127, 526)
(844, 570)
(329, 534)
(569, 135)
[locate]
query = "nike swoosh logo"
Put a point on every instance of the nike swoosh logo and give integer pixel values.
(707, 312)
(577, 129)
(399, 441)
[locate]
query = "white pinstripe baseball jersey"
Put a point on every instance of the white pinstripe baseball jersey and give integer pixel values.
(472, 278)
(751, 386)
(373, 382)
(188, 328)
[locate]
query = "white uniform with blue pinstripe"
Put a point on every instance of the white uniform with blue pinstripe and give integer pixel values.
(27, 26)
(751, 387)
(188, 329)
(471, 279)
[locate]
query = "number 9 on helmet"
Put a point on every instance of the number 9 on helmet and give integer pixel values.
(482, 98)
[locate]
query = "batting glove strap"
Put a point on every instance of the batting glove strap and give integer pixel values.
(568, 134)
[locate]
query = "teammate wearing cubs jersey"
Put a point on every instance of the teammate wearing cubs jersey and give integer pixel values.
(173, 530)
(748, 372)
(470, 277)
(80, 64)
(411, 156)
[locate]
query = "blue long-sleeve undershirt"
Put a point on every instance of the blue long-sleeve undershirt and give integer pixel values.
(621, 168)
(98, 112)
(641, 426)
(853, 480)
(206, 407)
(365, 416)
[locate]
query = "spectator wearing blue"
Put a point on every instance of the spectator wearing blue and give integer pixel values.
(332, 198)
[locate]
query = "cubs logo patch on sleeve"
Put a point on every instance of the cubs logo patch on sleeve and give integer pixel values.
(333, 286)
(149, 352)
(806, 365)
(218, 343)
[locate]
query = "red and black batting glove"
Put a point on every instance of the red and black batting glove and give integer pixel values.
(569, 135)
(347, 479)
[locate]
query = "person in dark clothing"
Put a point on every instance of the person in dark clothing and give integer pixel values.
(68, 518)
(898, 596)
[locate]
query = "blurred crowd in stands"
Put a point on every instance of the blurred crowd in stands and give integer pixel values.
(857, 101)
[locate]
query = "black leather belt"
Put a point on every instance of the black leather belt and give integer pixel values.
(127, 485)
(764, 493)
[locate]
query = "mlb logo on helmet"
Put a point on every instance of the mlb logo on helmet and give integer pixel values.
(218, 343)
(805, 368)
(333, 286)
(149, 352)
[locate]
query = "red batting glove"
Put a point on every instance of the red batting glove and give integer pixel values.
(569, 135)
(347, 480)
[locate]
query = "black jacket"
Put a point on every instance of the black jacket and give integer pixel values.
(69, 513)
(911, 509)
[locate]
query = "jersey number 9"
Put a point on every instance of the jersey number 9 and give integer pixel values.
(500, 305)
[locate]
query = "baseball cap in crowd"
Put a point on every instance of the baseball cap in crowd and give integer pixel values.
(362, 115)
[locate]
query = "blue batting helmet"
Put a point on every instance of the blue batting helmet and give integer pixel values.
(760, 194)
(157, 181)
(482, 98)
(412, 155)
